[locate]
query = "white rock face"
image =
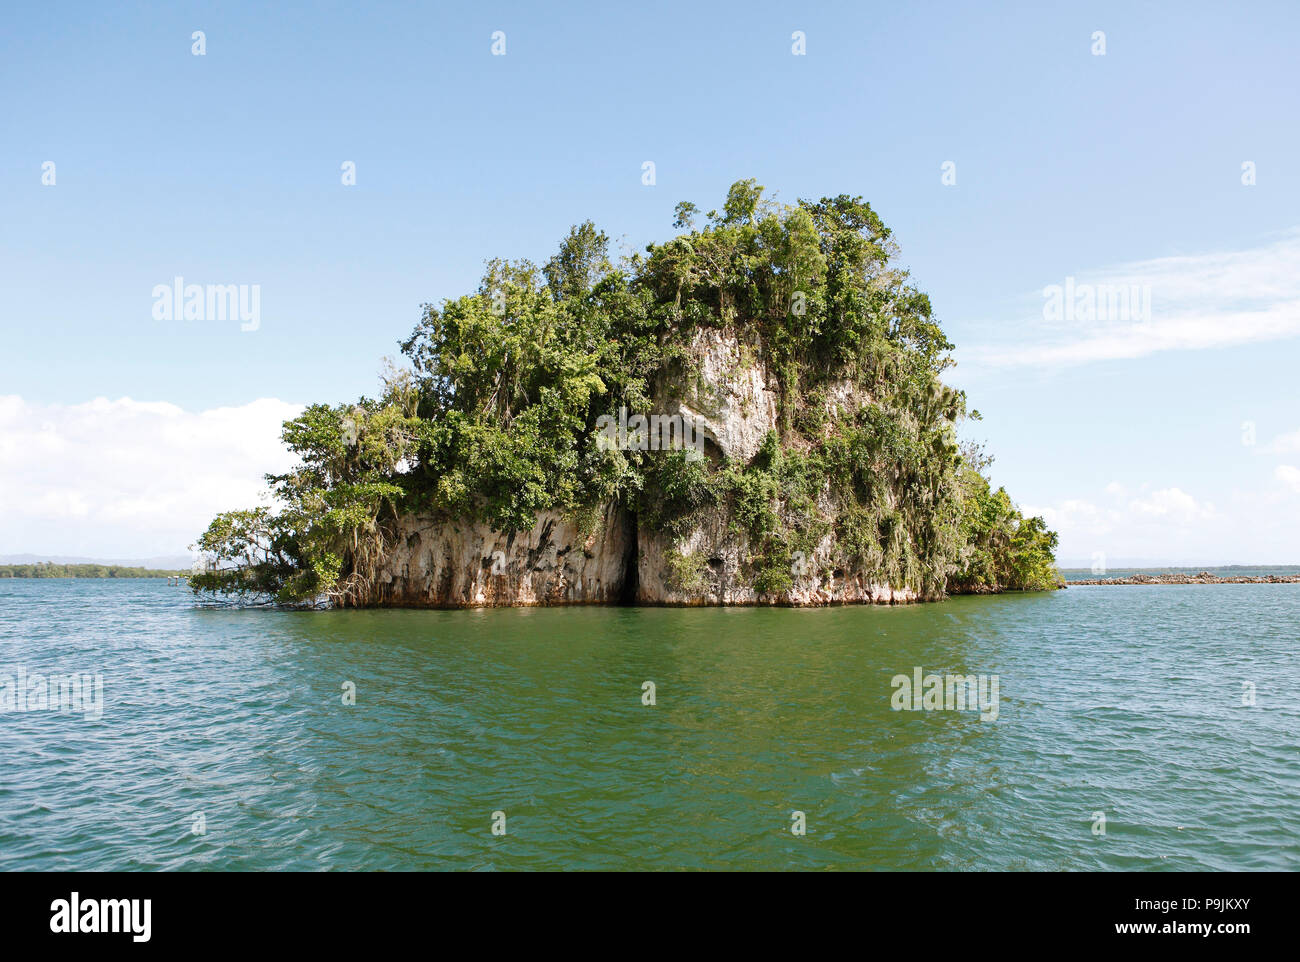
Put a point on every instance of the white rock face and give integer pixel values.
(708, 567)
(843, 400)
(464, 565)
(734, 402)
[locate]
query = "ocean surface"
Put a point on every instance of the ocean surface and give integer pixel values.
(225, 743)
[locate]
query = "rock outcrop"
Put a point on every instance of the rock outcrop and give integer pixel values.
(731, 397)
(449, 564)
(733, 400)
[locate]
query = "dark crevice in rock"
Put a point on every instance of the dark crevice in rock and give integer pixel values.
(631, 565)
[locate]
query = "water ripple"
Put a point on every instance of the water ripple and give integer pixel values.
(225, 743)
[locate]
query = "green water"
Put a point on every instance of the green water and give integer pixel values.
(1126, 702)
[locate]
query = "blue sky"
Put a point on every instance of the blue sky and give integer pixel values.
(225, 169)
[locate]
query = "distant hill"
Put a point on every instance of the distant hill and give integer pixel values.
(171, 563)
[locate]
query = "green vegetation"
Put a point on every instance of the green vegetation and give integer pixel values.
(1000, 548)
(494, 420)
(46, 569)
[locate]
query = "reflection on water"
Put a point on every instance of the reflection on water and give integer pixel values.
(1123, 701)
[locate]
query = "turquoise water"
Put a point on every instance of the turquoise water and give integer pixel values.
(1122, 701)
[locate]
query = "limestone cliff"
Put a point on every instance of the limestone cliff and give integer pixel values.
(734, 401)
(450, 564)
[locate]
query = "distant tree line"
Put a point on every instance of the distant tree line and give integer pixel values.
(46, 569)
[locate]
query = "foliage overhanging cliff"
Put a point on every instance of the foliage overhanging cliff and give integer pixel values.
(495, 421)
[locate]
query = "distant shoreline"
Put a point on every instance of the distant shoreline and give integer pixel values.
(46, 570)
(1201, 578)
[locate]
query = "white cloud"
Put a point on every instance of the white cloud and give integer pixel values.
(1165, 522)
(1289, 475)
(1169, 507)
(1076, 516)
(128, 478)
(1174, 504)
(1198, 301)
(1282, 444)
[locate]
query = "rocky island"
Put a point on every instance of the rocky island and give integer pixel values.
(749, 413)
